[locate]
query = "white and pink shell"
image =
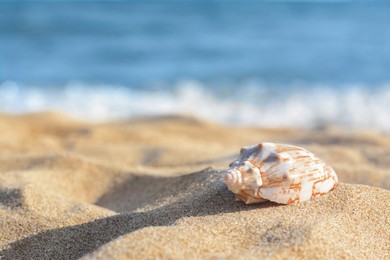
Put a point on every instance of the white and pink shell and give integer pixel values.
(281, 173)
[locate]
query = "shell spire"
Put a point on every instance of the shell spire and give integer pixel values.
(281, 173)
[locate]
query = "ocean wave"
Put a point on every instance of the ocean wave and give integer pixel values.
(251, 103)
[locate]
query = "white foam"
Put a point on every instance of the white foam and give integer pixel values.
(250, 103)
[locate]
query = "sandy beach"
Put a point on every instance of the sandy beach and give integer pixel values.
(153, 188)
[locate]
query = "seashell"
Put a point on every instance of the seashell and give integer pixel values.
(281, 173)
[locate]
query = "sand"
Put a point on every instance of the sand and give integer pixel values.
(153, 188)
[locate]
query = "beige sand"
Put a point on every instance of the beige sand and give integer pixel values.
(152, 188)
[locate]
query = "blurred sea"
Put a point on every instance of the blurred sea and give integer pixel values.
(262, 63)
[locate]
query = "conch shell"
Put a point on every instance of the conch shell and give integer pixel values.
(281, 173)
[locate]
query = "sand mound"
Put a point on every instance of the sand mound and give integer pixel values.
(153, 189)
(200, 216)
(334, 226)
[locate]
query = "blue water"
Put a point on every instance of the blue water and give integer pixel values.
(222, 60)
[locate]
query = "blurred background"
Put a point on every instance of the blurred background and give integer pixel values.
(261, 63)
